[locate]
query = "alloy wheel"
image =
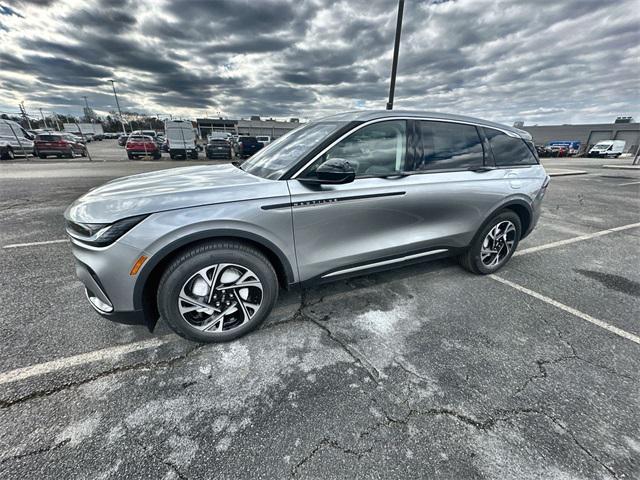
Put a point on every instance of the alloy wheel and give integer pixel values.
(220, 297)
(498, 243)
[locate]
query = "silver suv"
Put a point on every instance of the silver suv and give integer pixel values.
(208, 247)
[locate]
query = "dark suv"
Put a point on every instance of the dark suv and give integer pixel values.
(218, 149)
(247, 146)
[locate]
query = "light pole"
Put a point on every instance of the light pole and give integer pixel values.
(44, 119)
(113, 84)
(396, 48)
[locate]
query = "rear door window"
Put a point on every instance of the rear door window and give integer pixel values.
(448, 146)
(509, 151)
(49, 138)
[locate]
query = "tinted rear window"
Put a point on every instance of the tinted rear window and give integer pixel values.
(248, 139)
(448, 146)
(49, 138)
(509, 150)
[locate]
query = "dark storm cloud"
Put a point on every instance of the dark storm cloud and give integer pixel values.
(504, 60)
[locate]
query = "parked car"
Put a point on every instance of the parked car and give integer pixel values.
(563, 148)
(142, 146)
(122, 140)
(15, 140)
(211, 245)
(218, 149)
(58, 145)
(607, 148)
(247, 146)
(264, 139)
(542, 151)
(181, 139)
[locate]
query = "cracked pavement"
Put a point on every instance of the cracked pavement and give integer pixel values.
(420, 372)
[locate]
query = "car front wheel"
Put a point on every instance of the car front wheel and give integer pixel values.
(494, 244)
(217, 291)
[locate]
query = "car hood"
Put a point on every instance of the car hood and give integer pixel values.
(170, 189)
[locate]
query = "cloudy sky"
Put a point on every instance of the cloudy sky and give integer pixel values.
(542, 61)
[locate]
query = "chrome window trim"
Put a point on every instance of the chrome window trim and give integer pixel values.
(385, 119)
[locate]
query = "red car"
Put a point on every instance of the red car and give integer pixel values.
(142, 146)
(58, 144)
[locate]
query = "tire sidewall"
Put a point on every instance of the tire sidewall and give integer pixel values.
(477, 243)
(178, 273)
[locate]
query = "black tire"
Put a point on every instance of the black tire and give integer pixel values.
(193, 155)
(470, 259)
(8, 154)
(71, 153)
(196, 258)
(130, 155)
(42, 155)
(84, 152)
(157, 156)
(172, 156)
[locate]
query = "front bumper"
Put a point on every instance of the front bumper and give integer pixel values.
(104, 274)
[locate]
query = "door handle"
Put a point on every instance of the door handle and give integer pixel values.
(484, 168)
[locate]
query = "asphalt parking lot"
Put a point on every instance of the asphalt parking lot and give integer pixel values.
(421, 372)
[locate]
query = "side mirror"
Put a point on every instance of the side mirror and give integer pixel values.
(335, 171)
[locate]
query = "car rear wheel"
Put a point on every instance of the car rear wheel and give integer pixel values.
(217, 291)
(494, 244)
(71, 153)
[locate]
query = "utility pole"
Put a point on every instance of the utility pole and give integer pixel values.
(396, 48)
(44, 119)
(113, 84)
(24, 114)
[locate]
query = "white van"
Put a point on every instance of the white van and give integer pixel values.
(607, 148)
(181, 139)
(14, 140)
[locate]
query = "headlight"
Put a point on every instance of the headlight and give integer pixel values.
(100, 234)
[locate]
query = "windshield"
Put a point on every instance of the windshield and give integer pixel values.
(276, 158)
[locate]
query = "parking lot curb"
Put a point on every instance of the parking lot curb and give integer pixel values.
(622, 167)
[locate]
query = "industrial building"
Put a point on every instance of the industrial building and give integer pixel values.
(252, 127)
(624, 128)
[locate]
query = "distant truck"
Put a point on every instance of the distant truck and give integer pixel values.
(607, 148)
(92, 130)
(181, 139)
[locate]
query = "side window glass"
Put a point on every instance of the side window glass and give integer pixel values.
(449, 146)
(378, 149)
(509, 150)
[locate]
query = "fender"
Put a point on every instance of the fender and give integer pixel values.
(509, 202)
(160, 255)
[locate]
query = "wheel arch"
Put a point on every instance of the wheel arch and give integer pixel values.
(149, 277)
(520, 207)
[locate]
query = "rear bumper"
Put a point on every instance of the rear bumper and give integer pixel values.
(53, 151)
(143, 152)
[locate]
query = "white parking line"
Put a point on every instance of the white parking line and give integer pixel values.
(568, 241)
(84, 358)
(573, 311)
(31, 244)
(629, 183)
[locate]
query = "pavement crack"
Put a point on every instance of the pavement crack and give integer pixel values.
(119, 369)
(38, 451)
(327, 443)
(588, 452)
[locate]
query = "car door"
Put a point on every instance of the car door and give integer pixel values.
(339, 226)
